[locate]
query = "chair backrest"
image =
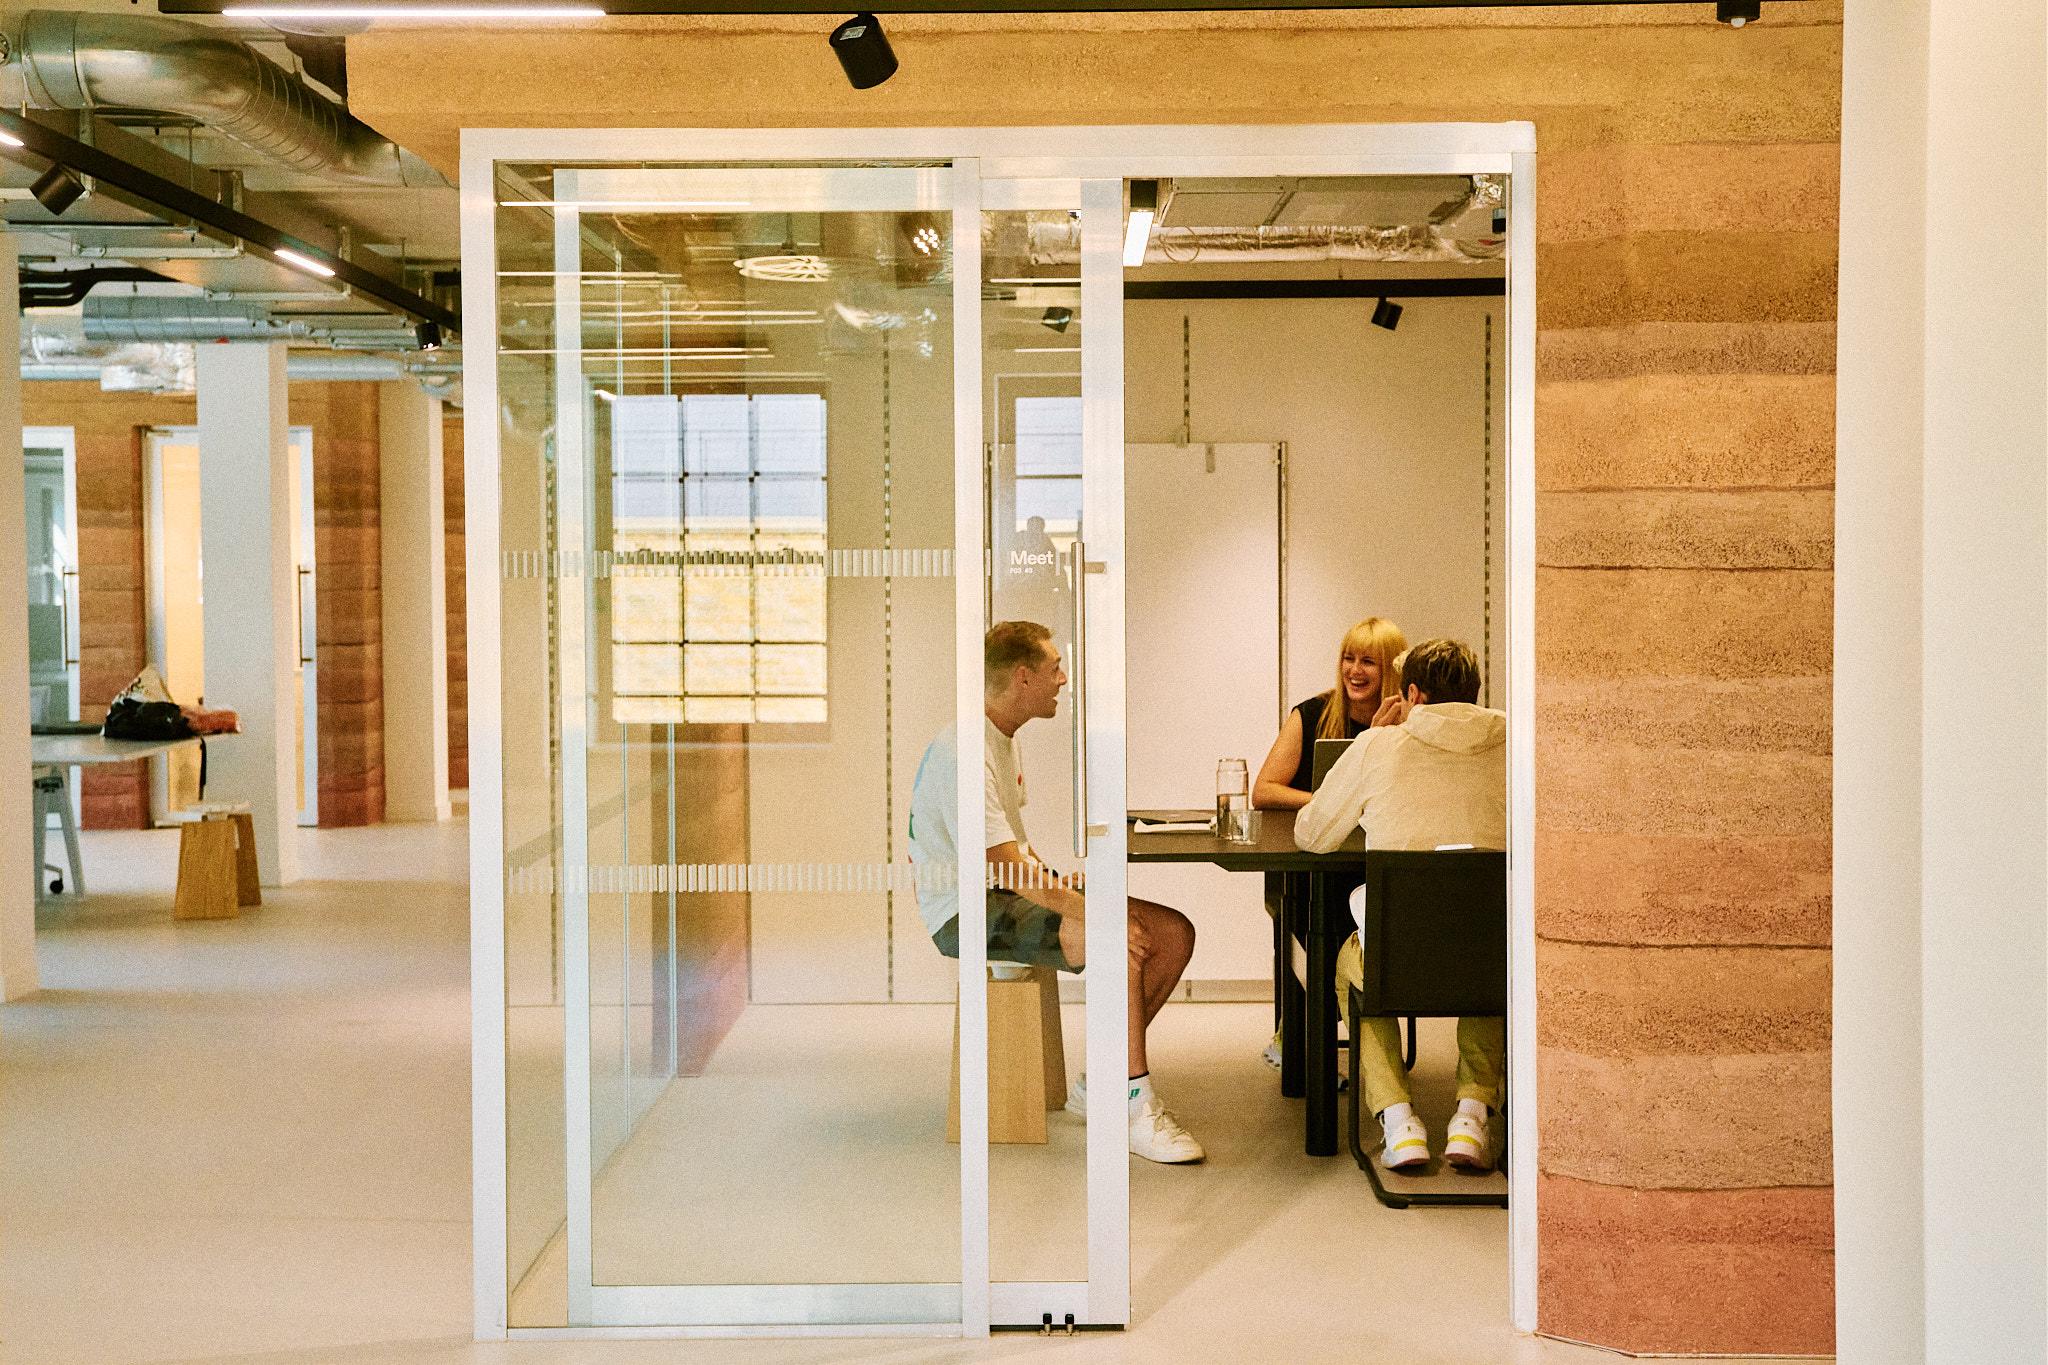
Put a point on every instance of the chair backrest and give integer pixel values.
(1436, 933)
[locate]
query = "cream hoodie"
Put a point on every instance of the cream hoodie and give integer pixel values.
(1440, 777)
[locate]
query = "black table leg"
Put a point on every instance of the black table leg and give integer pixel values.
(1289, 926)
(1319, 1024)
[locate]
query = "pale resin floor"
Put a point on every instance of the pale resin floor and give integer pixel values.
(248, 1141)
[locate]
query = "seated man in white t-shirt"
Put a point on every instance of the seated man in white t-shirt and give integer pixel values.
(1035, 913)
(1431, 771)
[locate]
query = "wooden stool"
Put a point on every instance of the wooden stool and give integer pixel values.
(1027, 1056)
(216, 861)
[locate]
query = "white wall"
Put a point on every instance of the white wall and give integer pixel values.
(1941, 1053)
(1385, 449)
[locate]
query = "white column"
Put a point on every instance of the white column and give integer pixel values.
(246, 547)
(415, 604)
(17, 880)
(1984, 705)
(1941, 703)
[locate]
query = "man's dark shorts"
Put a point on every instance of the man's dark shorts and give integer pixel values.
(1019, 930)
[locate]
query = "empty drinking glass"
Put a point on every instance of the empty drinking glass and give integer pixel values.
(1233, 801)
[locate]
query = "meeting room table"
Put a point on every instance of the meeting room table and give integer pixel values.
(1313, 912)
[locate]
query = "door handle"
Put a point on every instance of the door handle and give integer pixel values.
(1078, 569)
(67, 597)
(299, 614)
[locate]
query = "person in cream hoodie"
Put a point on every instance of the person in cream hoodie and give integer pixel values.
(1432, 771)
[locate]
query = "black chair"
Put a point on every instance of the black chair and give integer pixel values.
(1435, 944)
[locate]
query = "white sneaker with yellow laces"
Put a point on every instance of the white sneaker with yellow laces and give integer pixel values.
(1407, 1140)
(1468, 1142)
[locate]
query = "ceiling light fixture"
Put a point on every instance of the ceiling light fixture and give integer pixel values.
(479, 11)
(863, 51)
(606, 394)
(8, 139)
(1387, 314)
(299, 261)
(427, 335)
(1736, 13)
(1138, 225)
(786, 267)
(1057, 318)
(625, 206)
(57, 189)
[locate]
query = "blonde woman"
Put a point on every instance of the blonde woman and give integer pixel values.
(1367, 694)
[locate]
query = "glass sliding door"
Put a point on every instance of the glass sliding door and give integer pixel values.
(52, 487)
(728, 477)
(746, 430)
(1051, 351)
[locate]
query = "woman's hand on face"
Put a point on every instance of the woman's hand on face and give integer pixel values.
(1392, 711)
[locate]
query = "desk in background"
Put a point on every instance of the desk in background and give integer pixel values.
(1311, 914)
(58, 752)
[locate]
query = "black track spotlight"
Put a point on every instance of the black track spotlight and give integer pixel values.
(863, 51)
(1386, 313)
(1057, 318)
(57, 189)
(1736, 13)
(427, 335)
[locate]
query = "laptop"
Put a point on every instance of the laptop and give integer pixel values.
(1328, 751)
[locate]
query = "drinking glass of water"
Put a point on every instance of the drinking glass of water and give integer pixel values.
(1233, 802)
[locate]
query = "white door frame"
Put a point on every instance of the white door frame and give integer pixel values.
(1054, 158)
(303, 604)
(65, 440)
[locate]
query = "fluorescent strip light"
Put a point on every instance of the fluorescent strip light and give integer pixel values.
(10, 140)
(606, 394)
(413, 12)
(1047, 279)
(1046, 350)
(1138, 226)
(625, 205)
(305, 263)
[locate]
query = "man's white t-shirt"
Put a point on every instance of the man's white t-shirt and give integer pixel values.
(932, 802)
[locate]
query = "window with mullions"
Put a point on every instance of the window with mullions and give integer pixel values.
(718, 587)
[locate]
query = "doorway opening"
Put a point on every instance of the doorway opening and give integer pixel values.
(746, 429)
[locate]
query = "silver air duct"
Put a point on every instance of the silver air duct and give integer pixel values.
(154, 317)
(69, 59)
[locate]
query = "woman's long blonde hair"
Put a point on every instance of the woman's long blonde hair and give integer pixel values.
(1375, 638)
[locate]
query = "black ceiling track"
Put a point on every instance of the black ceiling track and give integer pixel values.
(63, 288)
(168, 195)
(843, 7)
(1490, 288)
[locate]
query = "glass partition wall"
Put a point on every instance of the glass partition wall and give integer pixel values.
(733, 410)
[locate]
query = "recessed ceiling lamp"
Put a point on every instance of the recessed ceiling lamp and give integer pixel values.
(863, 51)
(57, 189)
(1387, 314)
(1138, 225)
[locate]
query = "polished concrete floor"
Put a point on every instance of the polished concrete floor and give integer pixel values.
(248, 1141)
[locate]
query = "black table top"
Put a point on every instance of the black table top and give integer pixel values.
(1274, 850)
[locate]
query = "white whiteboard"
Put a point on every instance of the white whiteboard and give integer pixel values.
(1202, 641)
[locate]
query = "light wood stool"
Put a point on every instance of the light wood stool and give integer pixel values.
(1027, 1055)
(216, 861)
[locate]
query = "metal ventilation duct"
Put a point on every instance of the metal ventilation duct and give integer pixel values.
(68, 59)
(150, 317)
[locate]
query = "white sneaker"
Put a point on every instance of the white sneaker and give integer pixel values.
(1468, 1141)
(1407, 1144)
(1077, 1095)
(1271, 1056)
(1157, 1135)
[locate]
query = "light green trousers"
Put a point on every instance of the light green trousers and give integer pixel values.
(1482, 1046)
